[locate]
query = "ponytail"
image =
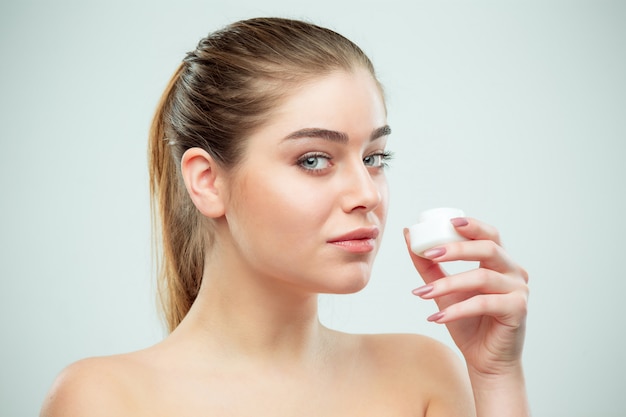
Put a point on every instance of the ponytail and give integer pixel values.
(176, 223)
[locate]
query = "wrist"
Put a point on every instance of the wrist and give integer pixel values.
(500, 394)
(510, 374)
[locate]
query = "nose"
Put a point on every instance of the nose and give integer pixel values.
(362, 191)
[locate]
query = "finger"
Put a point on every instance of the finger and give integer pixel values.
(509, 309)
(487, 252)
(429, 270)
(477, 281)
(475, 229)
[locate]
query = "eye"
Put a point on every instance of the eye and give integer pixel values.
(314, 161)
(377, 160)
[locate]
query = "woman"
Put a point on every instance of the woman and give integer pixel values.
(267, 159)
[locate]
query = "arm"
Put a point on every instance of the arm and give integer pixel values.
(501, 395)
(485, 312)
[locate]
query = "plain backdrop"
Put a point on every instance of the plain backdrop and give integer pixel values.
(513, 111)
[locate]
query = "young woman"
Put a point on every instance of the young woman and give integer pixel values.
(267, 162)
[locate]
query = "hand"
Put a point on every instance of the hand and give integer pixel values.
(485, 308)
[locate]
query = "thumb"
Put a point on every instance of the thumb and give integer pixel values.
(429, 270)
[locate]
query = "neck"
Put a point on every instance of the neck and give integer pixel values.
(239, 313)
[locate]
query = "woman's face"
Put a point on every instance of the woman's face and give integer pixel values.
(308, 202)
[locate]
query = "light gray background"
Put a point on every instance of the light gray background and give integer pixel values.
(513, 111)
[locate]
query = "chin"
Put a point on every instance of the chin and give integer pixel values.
(349, 285)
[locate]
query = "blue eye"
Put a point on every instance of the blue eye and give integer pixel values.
(314, 162)
(377, 160)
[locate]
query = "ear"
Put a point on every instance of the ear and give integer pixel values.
(203, 178)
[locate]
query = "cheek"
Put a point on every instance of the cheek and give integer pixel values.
(299, 203)
(279, 203)
(383, 207)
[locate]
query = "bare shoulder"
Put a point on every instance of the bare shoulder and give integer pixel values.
(91, 388)
(424, 367)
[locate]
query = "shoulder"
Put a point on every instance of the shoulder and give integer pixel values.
(425, 353)
(91, 388)
(424, 367)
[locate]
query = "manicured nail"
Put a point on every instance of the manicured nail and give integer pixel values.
(434, 253)
(459, 221)
(421, 291)
(437, 316)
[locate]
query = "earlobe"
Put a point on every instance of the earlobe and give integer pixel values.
(201, 175)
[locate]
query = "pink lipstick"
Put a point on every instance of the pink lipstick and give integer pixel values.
(360, 240)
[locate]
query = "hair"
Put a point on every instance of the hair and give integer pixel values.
(221, 92)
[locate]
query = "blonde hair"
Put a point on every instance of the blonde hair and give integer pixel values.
(220, 93)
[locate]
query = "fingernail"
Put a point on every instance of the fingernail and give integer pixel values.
(434, 253)
(437, 316)
(459, 221)
(421, 291)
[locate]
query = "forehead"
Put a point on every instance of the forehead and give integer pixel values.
(350, 102)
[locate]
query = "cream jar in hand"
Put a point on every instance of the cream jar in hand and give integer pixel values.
(433, 228)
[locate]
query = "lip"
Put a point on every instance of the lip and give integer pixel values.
(361, 240)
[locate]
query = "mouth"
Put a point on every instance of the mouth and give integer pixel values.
(362, 240)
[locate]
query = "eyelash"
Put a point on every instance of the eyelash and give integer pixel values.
(317, 155)
(385, 157)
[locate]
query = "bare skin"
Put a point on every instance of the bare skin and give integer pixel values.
(285, 226)
(393, 375)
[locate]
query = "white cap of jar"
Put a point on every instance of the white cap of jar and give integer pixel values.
(433, 228)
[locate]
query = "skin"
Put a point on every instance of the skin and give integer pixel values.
(252, 343)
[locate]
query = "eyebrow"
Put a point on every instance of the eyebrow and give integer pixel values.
(333, 135)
